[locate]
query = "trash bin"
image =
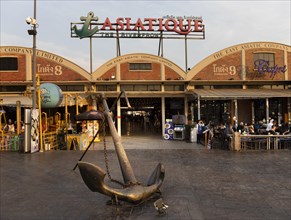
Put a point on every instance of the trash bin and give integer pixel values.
(15, 143)
(21, 143)
(193, 135)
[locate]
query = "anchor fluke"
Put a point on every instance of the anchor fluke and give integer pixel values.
(93, 177)
(157, 176)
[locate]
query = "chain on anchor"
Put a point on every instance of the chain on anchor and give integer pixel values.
(106, 161)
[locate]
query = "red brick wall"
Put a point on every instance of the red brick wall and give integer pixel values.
(223, 69)
(171, 74)
(253, 75)
(289, 65)
(229, 67)
(53, 71)
(154, 74)
(108, 74)
(47, 70)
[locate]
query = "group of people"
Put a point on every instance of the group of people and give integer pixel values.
(260, 127)
(225, 129)
(9, 131)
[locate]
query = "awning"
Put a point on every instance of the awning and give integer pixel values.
(25, 101)
(223, 94)
(8, 100)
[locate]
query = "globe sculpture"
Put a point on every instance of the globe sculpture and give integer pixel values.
(51, 95)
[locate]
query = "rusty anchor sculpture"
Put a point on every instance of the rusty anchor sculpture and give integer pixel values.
(133, 191)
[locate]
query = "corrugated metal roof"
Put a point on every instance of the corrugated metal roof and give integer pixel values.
(240, 93)
(10, 100)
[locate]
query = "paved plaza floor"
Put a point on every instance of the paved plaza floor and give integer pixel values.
(199, 183)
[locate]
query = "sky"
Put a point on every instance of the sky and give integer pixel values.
(227, 23)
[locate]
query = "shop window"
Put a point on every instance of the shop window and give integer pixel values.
(268, 57)
(174, 87)
(141, 87)
(106, 88)
(140, 66)
(12, 88)
(203, 87)
(154, 88)
(227, 87)
(8, 63)
(127, 87)
(71, 87)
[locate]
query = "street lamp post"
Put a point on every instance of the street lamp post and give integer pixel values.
(34, 58)
(32, 21)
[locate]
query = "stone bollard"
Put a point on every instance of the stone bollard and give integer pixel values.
(236, 141)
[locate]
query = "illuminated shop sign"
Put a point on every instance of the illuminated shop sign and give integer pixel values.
(126, 27)
(264, 68)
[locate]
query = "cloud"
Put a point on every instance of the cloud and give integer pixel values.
(227, 23)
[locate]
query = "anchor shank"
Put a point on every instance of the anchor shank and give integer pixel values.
(126, 169)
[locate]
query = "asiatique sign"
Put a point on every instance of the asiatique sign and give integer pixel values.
(126, 27)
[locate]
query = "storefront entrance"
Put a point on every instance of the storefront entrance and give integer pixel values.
(143, 119)
(217, 111)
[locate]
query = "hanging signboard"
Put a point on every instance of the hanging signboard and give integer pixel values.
(174, 27)
(34, 130)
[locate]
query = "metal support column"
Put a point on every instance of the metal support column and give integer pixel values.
(18, 117)
(186, 55)
(163, 115)
(236, 113)
(192, 113)
(41, 149)
(161, 46)
(253, 112)
(267, 110)
(198, 108)
(289, 111)
(91, 52)
(118, 51)
(186, 108)
(118, 118)
(34, 61)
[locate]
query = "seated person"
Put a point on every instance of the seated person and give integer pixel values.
(273, 130)
(288, 131)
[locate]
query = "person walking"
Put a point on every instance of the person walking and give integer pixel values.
(200, 128)
(9, 129)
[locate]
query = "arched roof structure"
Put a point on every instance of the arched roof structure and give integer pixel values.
(239, 54)
(51, 67)
(134, 58)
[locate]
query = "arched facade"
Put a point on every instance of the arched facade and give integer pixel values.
(250, 81)
(229, 81)
(237, 63)
(50, 67)
(119, 69)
